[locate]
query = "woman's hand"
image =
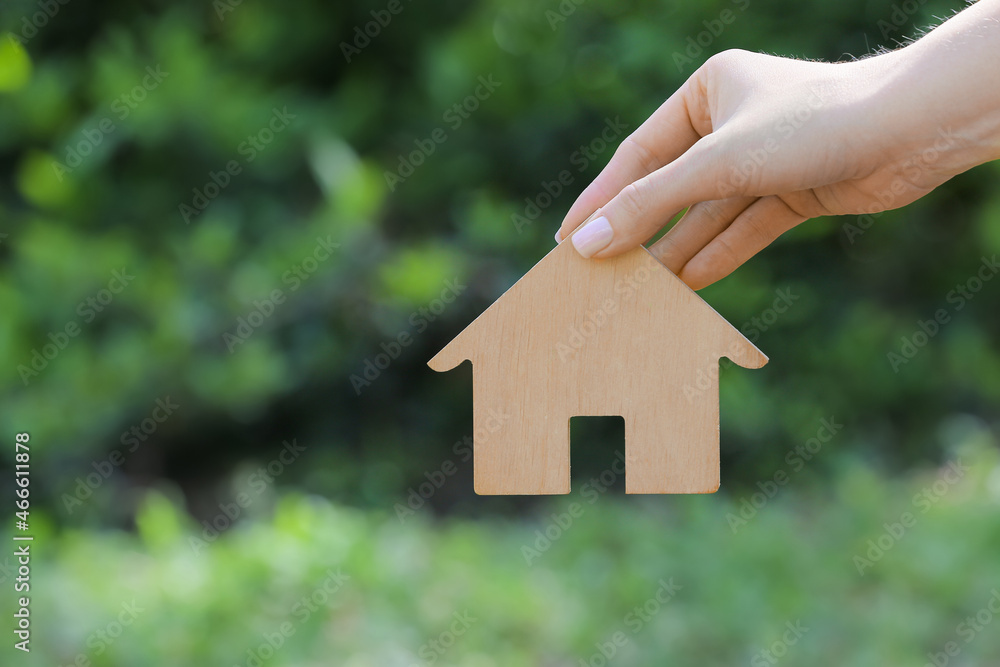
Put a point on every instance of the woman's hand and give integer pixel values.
(757, 144)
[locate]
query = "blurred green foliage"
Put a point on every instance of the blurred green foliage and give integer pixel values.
(223, 72)
(140, 138)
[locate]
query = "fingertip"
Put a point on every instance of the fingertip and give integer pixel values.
(614, 239)
(593, 237)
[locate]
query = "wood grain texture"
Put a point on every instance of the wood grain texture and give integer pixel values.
(584, 337)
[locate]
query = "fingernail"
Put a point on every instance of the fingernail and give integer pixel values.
(558, 236)
(593, 237)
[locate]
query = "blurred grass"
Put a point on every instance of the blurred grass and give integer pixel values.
(384, 588)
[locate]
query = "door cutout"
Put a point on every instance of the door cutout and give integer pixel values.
(597, 455)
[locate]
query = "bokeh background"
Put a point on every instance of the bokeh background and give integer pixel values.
(215, 217)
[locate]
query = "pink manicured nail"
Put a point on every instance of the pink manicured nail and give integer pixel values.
(593, 237)
(558, 236)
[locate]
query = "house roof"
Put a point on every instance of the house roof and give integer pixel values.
(564, 291)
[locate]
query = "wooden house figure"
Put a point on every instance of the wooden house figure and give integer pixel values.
(597, 337)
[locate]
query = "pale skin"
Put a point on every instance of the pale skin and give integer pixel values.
(755, 145)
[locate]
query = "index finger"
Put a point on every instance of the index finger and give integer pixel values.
(664, 137)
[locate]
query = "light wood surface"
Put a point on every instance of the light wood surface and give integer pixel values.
(584, 337)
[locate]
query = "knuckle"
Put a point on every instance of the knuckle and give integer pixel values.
(729, 255)
(725, 60)
(634, 199)
(759, 230)
(713, 210)
(630, 148)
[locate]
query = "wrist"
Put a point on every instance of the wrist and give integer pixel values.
(940, 96)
